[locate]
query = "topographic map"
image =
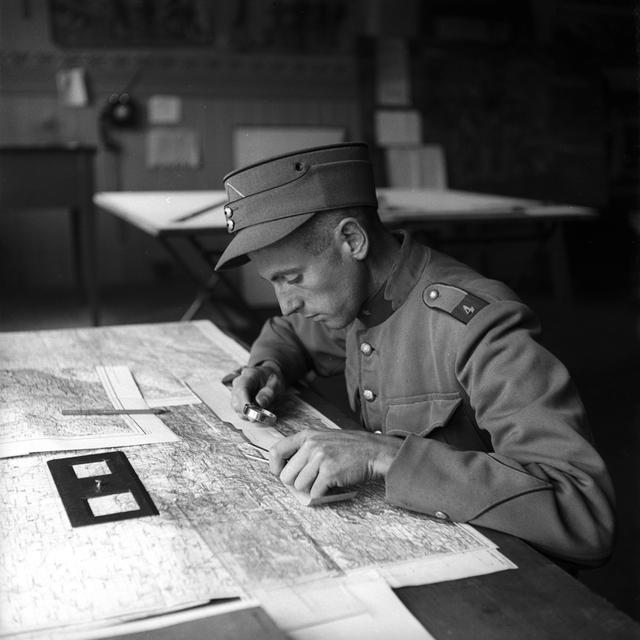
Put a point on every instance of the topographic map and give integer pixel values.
(31, 418)
(226, 525)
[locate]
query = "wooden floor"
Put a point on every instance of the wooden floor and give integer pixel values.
(598, 339)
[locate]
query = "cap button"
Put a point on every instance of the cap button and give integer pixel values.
(230, 225)
(441, 515)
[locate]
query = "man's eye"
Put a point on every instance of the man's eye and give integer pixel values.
(295, 280)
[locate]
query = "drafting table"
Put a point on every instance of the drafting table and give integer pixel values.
(174, 216)
(487, 219)
(536, 600)
(181, 221)
(56, 176)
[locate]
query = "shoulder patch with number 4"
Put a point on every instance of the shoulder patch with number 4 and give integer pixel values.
(460, 304)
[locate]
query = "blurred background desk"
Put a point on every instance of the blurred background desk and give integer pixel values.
(452, 218)
(180, 220)
(38, 177)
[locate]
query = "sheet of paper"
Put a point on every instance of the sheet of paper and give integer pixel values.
(53, 574)
(173, 147)
(32, 401)
(416, 166)
(164, 109)
(393, 76)
(454, 566)
(356, 607)
(226, 524)
(402, 126)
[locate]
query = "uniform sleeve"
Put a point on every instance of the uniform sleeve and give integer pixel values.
(299, 345)
(544, 481)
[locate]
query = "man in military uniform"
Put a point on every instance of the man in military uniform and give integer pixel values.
(465, 416)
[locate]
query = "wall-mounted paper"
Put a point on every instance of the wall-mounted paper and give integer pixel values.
(164, 109)
(398, 127)
(416, 166)
(72, 87)
(393, 78)
(173, 147)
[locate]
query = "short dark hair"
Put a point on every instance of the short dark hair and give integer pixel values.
(315, 234)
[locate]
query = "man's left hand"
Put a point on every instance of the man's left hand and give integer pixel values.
(314, 461)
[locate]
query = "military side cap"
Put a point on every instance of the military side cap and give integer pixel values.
(268, 200)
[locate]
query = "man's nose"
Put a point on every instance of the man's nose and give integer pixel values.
(289, 302)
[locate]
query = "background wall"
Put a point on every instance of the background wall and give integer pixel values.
(218, 90)
(533, 98)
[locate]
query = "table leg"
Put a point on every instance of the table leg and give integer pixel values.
(201, 297)
(559, 263)
(204, 288)
(77, 249)
(91, 268)
(88, 235)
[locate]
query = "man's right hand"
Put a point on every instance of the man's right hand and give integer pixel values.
(260, 385)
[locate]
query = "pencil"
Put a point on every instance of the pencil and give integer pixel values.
(109, 412)
(199, 212)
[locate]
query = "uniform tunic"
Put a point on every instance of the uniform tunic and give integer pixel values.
(494, 432)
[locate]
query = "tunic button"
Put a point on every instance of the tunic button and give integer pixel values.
(368, 395)
(366, 349)
(230, 225)
(433, 294)
(228, 212)
(441, 515)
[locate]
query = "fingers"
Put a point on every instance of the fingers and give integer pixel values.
(300, 472)
(259, 385)
(315, 461)
(239, 397)
(267, 394)
(245, 387)
(320, 486)
(282, 451)
(300, 462)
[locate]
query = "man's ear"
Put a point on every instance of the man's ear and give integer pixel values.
(352, 239)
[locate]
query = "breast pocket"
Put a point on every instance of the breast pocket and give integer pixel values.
(420, 415)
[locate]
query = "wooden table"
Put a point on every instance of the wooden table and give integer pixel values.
(57, 176)
(175, 216)
(537, 600)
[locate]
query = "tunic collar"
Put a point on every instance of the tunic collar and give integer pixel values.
(403, 277)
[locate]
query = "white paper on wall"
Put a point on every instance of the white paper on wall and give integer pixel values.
(398, 126)
(393, 78)
(164, 109)
(72, 87)
(173, 147)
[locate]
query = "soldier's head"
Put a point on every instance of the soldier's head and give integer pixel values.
(307, 221)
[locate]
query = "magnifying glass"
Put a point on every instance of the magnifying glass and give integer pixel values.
(256, 413)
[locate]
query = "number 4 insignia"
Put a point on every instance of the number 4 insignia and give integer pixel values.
(468, 308)
(460, 304)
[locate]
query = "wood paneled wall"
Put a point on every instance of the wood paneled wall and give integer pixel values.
(218, 91)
